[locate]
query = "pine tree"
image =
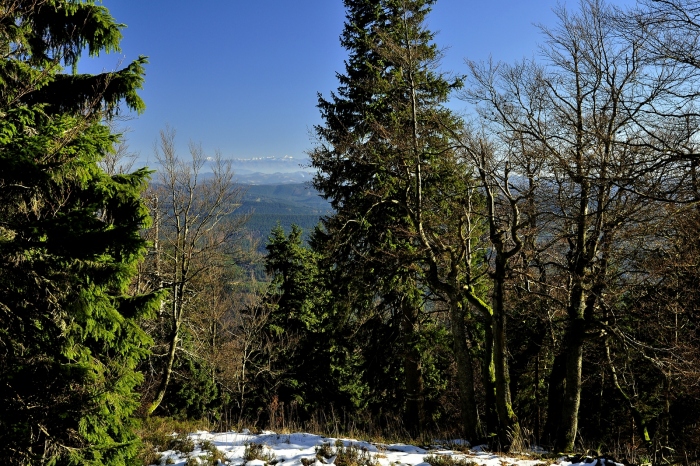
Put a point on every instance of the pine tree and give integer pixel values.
(69, 242)
(366, 242)
(387, 163)
(316, 367)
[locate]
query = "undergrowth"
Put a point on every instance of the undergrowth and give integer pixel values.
(213, 455)
(445, 460)
(342, 455)
(159, 434)
(162, 434)
(258, 451)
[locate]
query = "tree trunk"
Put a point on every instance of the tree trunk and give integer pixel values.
(413, 415)
(489, 380)
(573, 350)
(555, 397)
(174, 338)
(572, 392)
(465, 374)
(507, 421)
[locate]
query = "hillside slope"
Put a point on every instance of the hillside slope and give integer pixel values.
(285, 204)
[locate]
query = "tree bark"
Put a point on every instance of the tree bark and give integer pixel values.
(555, 397)
(162, 388)
(465, 374)
(573, 349)
(413, 415)
(489, 380)
(507, 421)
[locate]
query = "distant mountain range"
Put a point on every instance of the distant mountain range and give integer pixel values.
(272, 170)
(249, 177)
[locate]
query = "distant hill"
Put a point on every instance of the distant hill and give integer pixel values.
(286, 204)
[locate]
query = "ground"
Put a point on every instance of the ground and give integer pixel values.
(300, 449)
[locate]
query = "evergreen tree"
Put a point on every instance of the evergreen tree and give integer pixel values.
(315, 365)
(386, 162)
(69, 242)
(365, 242)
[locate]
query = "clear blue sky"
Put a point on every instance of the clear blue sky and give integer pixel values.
(242, 76)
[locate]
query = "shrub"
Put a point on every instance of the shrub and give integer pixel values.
(258, 451)
(443, 460)
(150, 457)
(213, 454)
(349, 455)
(182, 443)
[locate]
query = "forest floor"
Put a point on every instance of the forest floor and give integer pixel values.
(301, 449)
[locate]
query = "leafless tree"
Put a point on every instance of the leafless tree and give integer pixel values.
(591, 113)
(193, 233)
(508, 171)
(121, 159)
(667, 35)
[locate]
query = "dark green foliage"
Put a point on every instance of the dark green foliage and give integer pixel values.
(386, 166)
(335, 351)
(316, 367)
(364, 242)
(69, 246)
(296, 277)
(40, 38)
(434, 344)
(69, 243)
(261, 223)
(193, 391)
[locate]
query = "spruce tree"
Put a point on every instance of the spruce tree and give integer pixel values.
(386, 162)
(366, 242)
(69, 242)
(314, 366)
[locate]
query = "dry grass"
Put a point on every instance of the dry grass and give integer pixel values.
(445, 460)
(213, 454)
(160, 434)
(350, 455)
(258, 451)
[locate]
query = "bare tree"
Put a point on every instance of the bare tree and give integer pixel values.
(667, 35)
(509, 171)
(669, 29)
(194, 232)
(591, 112)
(121, 158)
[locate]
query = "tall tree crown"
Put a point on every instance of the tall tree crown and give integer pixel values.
(69, 241)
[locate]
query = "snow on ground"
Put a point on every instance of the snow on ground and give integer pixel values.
(291, 449)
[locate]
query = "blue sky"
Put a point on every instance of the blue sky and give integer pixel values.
(242, 76)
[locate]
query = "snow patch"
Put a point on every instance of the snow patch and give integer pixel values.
(290, 449)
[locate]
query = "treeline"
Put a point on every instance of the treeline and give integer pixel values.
(284, 204)
(260, 225)
(525, 276)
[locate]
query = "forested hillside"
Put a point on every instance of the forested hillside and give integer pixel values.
(286, 204)
(521, 274)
